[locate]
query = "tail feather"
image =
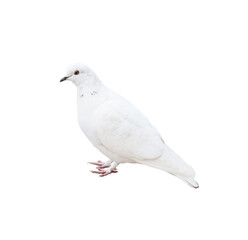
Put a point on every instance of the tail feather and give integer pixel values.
(173, 164)
(193, 182)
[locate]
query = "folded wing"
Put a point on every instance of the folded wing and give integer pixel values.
(123, 130)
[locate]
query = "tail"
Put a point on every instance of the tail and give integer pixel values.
(190, 181)
(175, 165)
(193, 182)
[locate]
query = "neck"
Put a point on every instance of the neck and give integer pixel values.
(89, 86)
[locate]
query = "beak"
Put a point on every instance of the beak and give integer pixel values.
(63, 79)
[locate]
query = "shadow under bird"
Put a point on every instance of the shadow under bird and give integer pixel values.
(119, 130)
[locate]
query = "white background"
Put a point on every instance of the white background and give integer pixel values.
(183, 63)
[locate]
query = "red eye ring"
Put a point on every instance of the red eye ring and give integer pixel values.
(76, 72)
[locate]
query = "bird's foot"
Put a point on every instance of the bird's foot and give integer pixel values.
(101, 164)
(105, 172)
(104, 169)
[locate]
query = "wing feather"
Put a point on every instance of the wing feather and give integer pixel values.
(125, 131)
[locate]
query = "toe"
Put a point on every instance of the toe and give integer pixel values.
(98, 163)
(98, 172)
(102, 167)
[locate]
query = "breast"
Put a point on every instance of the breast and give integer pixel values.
(86, 106)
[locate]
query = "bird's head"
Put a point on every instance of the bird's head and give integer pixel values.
(79, 74)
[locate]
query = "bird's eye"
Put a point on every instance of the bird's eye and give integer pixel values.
(76, 72)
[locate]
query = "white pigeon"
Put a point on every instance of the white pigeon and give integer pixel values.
(119, 130)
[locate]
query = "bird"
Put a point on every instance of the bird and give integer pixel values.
(119, 130)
